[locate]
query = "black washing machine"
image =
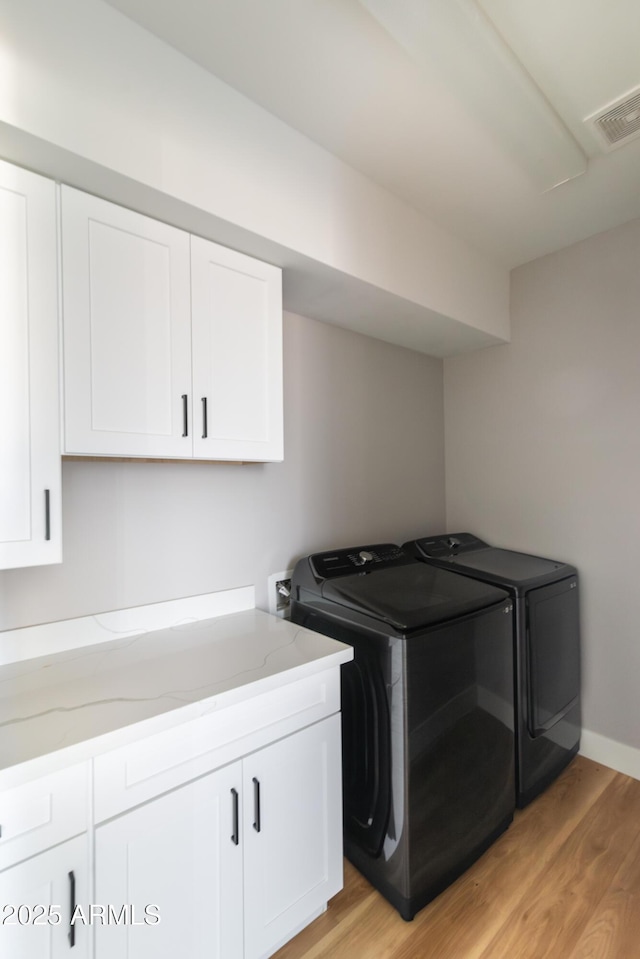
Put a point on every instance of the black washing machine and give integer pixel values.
(427, 713)
(546, 645)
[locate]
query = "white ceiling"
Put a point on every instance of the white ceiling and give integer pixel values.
(330, 70)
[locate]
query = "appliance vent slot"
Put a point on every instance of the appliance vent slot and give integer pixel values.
(618, 122)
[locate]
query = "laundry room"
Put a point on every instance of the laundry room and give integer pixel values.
(458, 348)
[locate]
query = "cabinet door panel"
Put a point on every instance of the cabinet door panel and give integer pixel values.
(29, 427)
(15, 504)
(293, 865)
(44, 881)
(175, 853)
(129, 386)
(126, 331)
(237, 354)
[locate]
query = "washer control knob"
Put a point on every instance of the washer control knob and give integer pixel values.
(365, 555)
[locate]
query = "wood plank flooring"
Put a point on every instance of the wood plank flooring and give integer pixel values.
(562, 883)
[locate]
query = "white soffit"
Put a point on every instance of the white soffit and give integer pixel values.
(455, 41)
(328, 69)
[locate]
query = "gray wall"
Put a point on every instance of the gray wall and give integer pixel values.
(364, 460)
(543, 449)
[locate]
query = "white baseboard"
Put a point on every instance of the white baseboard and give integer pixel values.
(624, 759)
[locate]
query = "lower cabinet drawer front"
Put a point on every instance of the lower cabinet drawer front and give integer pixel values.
(134, 774)
(42, 813)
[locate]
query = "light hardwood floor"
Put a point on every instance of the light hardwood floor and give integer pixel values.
(563, 882)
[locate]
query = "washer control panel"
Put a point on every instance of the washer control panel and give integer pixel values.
(449, 545)
(358, 559)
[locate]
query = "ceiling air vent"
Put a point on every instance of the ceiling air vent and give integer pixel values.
(618, 122)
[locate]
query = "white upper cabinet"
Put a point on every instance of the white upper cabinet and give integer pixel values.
(237, 354)
(132, 387)
(30, 514)
(127, 331)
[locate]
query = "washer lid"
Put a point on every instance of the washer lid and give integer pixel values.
(411, 596)
(509, 567)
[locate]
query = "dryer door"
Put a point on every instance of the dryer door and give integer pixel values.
(553, 651)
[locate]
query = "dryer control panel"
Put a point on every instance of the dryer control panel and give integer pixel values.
(449, 544)
(356, 559)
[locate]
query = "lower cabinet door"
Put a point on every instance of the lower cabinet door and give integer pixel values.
(171, 871)
(39, 898)
(292, 834)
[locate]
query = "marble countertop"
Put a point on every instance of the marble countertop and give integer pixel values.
(76, 703)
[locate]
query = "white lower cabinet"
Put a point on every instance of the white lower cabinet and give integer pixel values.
(174, 858)
(219, 837)
(234, 863)
(293, 862)
(37, 898)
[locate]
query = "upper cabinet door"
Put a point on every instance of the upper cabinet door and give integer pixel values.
(126, 320)
(30, 514)
(237, 355)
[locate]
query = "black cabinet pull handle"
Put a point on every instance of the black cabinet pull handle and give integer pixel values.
(256, 803)
(204, 418)
(235, 835)
(47, 514)
(72, 909)
(185, 418)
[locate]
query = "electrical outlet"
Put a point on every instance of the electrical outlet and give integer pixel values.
(278, 592)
